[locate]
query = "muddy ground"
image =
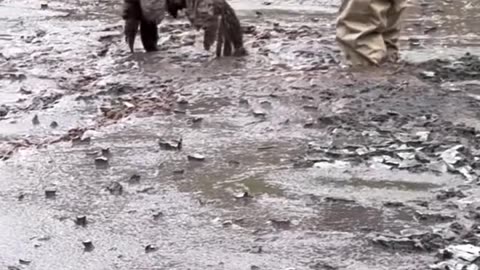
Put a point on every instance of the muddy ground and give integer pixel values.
(280, 160)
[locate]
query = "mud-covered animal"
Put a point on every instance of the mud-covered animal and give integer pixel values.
(216, 17)
(144, 15)
(220, 24)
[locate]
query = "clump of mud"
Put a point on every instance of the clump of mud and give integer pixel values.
(464, 68)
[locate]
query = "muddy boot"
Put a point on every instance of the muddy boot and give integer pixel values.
(360, 25)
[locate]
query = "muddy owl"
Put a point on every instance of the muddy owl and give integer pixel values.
(215, 17)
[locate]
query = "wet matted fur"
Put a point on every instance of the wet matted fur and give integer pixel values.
(216, 17)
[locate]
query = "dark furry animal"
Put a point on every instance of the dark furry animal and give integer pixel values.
(220, 23)
(144, 15)
(173, 6)
(216, 17)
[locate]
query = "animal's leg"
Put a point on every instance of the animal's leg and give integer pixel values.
(227, 46)
(131, 29)
(233, 29)
(211, 33)
(149, 35)
(220, 38)
(132, 14)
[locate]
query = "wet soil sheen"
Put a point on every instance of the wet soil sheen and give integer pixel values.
(282, 159)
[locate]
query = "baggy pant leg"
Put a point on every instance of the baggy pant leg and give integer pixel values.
(360, 25)
(392, 31)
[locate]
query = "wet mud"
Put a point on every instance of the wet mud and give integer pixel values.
(282, 159)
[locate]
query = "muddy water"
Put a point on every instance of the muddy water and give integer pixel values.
(250, 120)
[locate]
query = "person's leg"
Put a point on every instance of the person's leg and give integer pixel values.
(392, 31)
(360, 25)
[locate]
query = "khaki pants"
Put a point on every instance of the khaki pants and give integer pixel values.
(368, 30)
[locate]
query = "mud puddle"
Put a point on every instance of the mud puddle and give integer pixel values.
(176, 160)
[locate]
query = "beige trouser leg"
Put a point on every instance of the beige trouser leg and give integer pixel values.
(360, 28)
(392, 32)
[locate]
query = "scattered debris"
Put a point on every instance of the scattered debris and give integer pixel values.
(175, 144)
(256, 249)
(115, 188)
(35, 120)
(134, 179)
(280, 224)
(458, 257)
(259, 113)
(196, 157)
(3, 110)
(158, 216)
(101, 162)
(424, 241)
(81, 220)
(450, 193)
(50, 193)
(24, 262)
(88, 246)
(179, 171)
(393, 204)
(150, 248)
(434, 217)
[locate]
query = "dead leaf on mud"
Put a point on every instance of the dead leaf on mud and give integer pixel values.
(196, 157)
(53, 124)
(150, 248)
(259, 113)
(134, 179)
(280, 224)
(452, 155)
(35, 120)
(424, 241)
(242, 195)
(338, 200)
(323, 266)
(265, 147)
(450, 193)
(256, 249)
(179, 171)
(173, 144)
(194, 120)
(458, 257)
(24, 262)
(393, 204)
(115, 188)
(81, 220)
(433, 217)
(101, 162)
(88, 246)
(158, 216)
(3, 110)
(148, 190)
(50, 193)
